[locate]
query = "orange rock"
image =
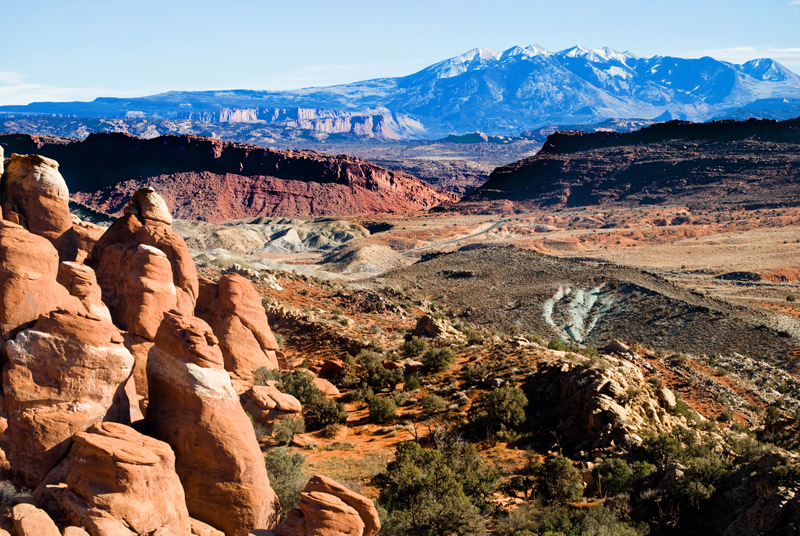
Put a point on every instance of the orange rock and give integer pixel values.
(139, 348)
(233, 309)
(147, 222)
(137, 283)
(327, 388)
(36, 191)
(80, 281)
(28, 286)
(62, 375)
(330, 509)
(141, 492)
(73, 531)
(32, 521)
(87, 234)
(321, 514)
(266, 404)
(365, 507)
(203, 529)
(193, 407)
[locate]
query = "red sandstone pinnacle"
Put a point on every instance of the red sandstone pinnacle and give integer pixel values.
(193, 407)
(233, 309)
(33, 188)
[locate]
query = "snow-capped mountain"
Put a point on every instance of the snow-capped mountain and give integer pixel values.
(505, 93)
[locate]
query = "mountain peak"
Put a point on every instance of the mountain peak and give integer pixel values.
(767, 69)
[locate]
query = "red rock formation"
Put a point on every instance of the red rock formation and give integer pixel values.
(35, 191)
(32, 521)
(81, 282)
(327, 508)
(141, 492)
(267, 404)
(192, 406)
(87, 234)
(233, 309)
(146, 222)
(28, 286)
(62, 375)
(204, 178)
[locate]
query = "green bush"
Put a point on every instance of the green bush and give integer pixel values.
(613, 477)
(556, 344)
(262, 375)
(413, 346)
(438, 359)
(530, 519)
(476, 374)
(285, 470)
(376, 375)
(322, 411)
(382, 409)
(500, 409)
(285, 429)
(412, 384)
(432, 404)
(660, 449)
(428, 492)
(299, 384)
(559, 480)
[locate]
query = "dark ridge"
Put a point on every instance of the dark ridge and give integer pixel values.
(741, 163)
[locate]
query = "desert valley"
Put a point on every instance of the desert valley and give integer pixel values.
(516, 293)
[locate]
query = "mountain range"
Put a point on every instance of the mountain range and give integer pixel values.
(500, 93)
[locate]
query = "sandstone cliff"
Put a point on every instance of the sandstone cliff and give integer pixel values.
(204, 178)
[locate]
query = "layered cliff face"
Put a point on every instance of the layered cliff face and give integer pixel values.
(204, 178)
(748, 163)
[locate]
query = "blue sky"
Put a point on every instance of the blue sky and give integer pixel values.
(82, 49)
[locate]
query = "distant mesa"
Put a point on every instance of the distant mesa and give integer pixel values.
(207, 179)
(754, 163)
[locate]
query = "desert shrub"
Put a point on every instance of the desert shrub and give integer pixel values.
(413, 346)
(473, 337)
(262, 375)
(531, 519)
(559, 480)
(376, 375)
(279, 339)
(434, 493)
(660, 449)
(432, 404)
(412, 384)
(318, 410)
(476, 374)
(7, 492)
(322, 411)
(791, 298)
(299, 384)
(285, 469)
(700, 479)
(613, 477)
(642, 473)
(500, 409)
(556, 344)
(438, 359)
(285, 429)
(382, 409)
